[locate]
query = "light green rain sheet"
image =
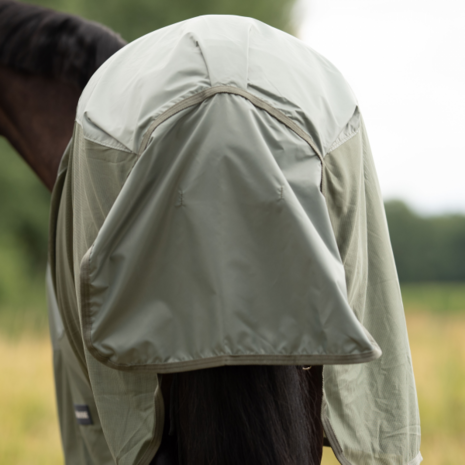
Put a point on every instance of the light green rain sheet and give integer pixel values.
(218, 205)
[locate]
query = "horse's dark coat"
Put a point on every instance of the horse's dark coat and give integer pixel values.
(40, 41)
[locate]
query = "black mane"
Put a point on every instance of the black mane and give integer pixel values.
(40, 41)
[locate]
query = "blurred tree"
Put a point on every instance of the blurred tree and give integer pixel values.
(24, 204)
(426, 248)
(135, 18)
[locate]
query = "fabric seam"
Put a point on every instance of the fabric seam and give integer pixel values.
(207, 93)
(155, 443)
(85, 317)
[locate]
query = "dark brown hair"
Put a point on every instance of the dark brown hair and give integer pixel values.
(261, 415)
(40, 41)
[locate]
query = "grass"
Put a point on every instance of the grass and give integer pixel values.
(439, 298)
(29, 425)
(436, 324)
(16, 322)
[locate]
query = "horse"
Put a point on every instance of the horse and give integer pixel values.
(225, 415)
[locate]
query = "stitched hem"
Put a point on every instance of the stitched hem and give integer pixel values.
(332, 439)
(337, 449)
(223, 360)
(231, 360)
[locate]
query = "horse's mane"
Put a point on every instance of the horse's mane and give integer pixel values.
(40, 41)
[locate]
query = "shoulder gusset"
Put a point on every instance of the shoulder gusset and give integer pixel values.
(94, 133)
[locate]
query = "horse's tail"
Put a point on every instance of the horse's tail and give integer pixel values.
(261, 415)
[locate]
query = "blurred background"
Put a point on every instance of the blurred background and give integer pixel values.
(405, 61)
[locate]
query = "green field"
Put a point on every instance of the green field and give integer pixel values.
(436, 323)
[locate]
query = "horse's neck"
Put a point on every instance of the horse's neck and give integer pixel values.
(37, 116)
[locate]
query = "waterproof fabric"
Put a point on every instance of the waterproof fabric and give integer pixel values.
(218, 205)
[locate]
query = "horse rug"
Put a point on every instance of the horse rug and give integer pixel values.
(218, 205)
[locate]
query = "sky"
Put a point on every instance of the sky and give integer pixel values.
(405, 61)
